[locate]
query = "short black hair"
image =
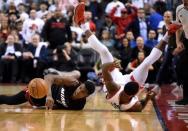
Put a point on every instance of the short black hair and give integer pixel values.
(131, 88)
(38, 101)
(90, 86)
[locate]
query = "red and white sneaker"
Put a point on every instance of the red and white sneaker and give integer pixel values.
(172, 28)
(78, 17)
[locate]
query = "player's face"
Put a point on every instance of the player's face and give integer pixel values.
(81, 92)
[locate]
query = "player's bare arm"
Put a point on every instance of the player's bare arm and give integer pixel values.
(179, 44)
(140, 105)
(111, 86)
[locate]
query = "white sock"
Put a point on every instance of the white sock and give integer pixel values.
(85, 26)
(165, 37)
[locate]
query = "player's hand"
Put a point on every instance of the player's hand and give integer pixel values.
(152, 93)
(49, 102)
(117, 64)
(180, 47)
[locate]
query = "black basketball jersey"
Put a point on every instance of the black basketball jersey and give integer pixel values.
(63, 98)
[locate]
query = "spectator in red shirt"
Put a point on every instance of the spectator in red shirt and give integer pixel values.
(124, 21)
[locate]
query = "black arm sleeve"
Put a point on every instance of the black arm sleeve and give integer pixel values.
(14, 99)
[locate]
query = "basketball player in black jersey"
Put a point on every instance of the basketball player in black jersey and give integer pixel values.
(66, 92)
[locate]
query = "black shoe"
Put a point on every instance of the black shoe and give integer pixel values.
(182, 102)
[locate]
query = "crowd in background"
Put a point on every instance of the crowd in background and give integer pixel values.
(40, 34)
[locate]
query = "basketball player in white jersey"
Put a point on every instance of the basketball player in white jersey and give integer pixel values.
(182, 49)
(121, 89)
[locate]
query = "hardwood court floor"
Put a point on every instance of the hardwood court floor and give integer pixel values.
(96, 116)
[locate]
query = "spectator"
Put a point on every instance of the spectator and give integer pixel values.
(160, 6)
(4, 28)
(108, 25)
(130, 37)
(22, 13)
(64, 58)
(56, 31)
(15, 2)
(112, 5)
(16, 36)
(12, 8)
(124, 21)
(54, 6)
(140, 26)
(43, 10)
(12, 21)
(10, 52)
(139, 3)
(136, 62)
(96, 9)
(154, 19)
(33, 6)
(151, 42)
(140, 47)
(88, 18)
(31, 26)
(2, 4)
(34, 59)
(167, 19)
(106, 40)
(125, 53)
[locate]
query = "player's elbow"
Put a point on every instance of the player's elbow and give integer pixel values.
(77, 74)
(48, 77)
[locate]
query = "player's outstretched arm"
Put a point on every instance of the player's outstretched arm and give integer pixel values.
(140, 105)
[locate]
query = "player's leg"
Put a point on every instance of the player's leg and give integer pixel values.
(78, 18)
(95, 44)
(141, 72)
(14, 99)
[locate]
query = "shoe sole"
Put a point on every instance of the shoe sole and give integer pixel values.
(80, 5)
